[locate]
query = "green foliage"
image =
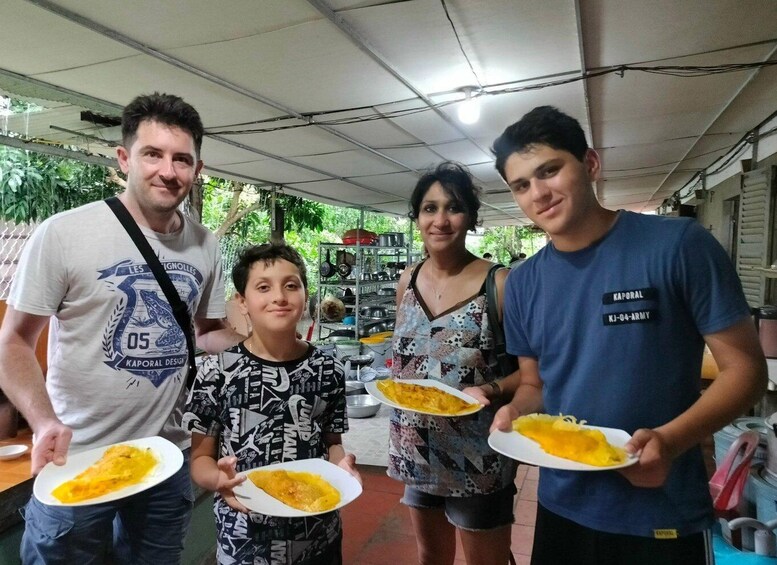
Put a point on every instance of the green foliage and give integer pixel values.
(505, 242)
(34, 186)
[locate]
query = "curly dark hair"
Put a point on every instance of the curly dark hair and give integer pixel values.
(269, 253)
(457, 183)
(165, 109)
(545, 125)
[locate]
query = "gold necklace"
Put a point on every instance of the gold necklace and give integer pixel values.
(249, 348)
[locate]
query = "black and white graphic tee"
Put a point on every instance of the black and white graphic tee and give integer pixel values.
(266, 412)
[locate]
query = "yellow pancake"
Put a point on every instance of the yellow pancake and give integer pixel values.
(563, 436)
(298, 489)
(428, 399)
(119, 467)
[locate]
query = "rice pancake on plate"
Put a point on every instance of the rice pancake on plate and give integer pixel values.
(119, 467)
(563, 436)
(429, 399)
(299, 489)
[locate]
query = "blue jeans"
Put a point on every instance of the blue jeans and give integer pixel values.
(146, 528)
(473, 513)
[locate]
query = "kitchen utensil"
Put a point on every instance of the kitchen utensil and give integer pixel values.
(332, 309)
(379, 347)
(387, 291)
(344, 256)
(361, 406)
(765, 319)
(374, 327)
(9, 452)
(728, 482)
(337, 336)
(326, 269)
(373, 312)
(367, 374)
(354, 387)
(399, 239)
(348, 299)
(387, 240)
(360, 236)
(763, 538)
(344, 270)
(344, 350)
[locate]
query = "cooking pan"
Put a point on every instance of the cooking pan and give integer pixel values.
(344, 270)
(338, 335)
(326, 269)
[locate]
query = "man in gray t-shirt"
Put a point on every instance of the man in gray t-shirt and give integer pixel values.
(119, 359)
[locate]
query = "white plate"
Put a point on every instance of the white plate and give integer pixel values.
(51, 476)
(372, 388)
(521, 448)
(8, 452)
(254, 498)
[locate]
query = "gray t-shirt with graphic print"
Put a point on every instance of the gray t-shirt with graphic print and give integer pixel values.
(117, 357)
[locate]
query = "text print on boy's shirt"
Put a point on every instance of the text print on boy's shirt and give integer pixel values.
(142, 336)
(274, 414)
(620, 297)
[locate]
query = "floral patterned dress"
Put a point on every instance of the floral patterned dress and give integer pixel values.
(434, 454)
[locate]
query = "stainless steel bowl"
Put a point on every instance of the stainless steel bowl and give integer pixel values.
(361, 406)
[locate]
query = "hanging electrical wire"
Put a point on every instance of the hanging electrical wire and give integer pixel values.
(314, 118)
(461, 47)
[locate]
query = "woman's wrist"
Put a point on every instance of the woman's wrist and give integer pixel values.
(492, 389)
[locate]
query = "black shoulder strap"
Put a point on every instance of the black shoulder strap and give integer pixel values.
(491, 296)
(180, 310)
(505, 361)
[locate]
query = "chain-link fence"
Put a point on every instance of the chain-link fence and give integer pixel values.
(12, 240)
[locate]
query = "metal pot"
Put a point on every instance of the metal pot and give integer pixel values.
(362, 406)
(387, 239)
(376, 312)
(376, 327)
(399, 239)
(387, 291)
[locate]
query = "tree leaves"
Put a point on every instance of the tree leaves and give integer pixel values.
(34, 186)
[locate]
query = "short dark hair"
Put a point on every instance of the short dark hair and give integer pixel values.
(269, 253)
(165, 109)
(457, 183)
(545, 125)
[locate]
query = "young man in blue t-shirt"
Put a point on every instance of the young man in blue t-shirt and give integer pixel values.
(609, 322)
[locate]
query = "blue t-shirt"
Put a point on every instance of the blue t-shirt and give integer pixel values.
(617, 330)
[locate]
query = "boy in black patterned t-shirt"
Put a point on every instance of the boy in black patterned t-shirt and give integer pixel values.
(271, 399)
